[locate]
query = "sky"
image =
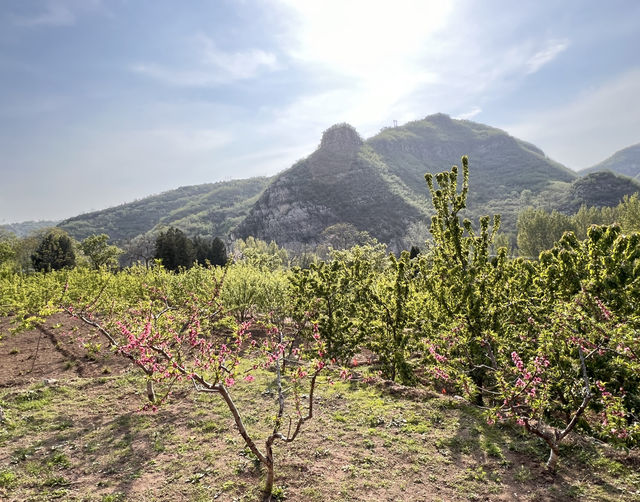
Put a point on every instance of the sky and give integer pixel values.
(106, 101)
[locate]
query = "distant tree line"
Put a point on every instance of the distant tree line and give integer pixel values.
(53, 249)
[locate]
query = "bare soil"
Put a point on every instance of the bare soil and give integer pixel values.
(73, 430)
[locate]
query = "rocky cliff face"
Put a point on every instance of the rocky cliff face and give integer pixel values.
(341, 182)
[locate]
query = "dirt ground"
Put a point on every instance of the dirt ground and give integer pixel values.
(52, 351)
(74, 431)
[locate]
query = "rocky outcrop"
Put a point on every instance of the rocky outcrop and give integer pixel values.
(338, 183)
(341, 138)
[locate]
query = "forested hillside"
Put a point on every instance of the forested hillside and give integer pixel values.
(210, 209)
(344, 181)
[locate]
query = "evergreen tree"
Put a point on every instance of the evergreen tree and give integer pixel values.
(55, 252)
(175, 249)
(218, 252)
(214, 251)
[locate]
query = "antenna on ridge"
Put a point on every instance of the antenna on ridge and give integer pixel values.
(395, 123)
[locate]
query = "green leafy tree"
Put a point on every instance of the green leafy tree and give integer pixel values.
(629, 211)
(539, 230)
(55, 252)
(214, 251)
(384, 314)
(8, 242)
(333, 295)
(219, 255)
(461, 284)
(260, 254)
(587, 216)
(99, 252)
(550, 344)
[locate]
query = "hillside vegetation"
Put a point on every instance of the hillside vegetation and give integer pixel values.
(210, 209)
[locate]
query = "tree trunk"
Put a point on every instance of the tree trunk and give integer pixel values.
(151, 395)
(552, 463)
(268, 487)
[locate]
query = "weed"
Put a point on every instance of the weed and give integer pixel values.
(113, 497)
(21, 454)
(7, 478)
(62, 424)
(56, 481)
(227, 486)
(376, 421)
(610, 466)
(93, 350)
(370, 445)
(59, 460)
(278, 493)
(477, 474)
(523, 474)
(339, 417)
(492, 449)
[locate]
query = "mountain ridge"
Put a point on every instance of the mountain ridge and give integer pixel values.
(625, 162)
(376, 185)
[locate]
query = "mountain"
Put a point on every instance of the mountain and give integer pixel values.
(212, 209)
(625, 161)
(25, 228)
(378, 185)
(504, 172)
(500, 165)
(343, 181)
(375, 185)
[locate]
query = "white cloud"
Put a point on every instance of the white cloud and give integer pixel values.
(589, 129)
(236, 65)
(213, 66)
(546, 55)
(380, 61)
(476, 110)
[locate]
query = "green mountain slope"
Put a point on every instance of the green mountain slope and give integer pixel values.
(626, 162)
(378, 185)
(501, 166)
(209, 209)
